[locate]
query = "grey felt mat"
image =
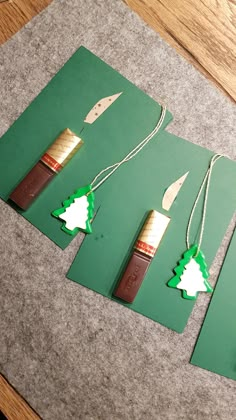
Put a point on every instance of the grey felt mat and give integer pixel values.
(71, 353)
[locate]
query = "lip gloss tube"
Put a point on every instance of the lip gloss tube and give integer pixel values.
(144, 251)
(50, 164)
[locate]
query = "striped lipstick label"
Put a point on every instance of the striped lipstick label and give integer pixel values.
(145, 248)
(51, 162)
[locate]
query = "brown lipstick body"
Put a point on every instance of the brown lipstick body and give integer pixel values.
(141, 258)
(50, 164)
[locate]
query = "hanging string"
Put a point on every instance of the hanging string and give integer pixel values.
(206, 181)
(130, 155)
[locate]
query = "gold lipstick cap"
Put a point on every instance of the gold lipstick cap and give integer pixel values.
(62, 150)
(152, 233)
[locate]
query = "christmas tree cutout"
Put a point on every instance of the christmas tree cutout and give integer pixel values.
(191, 274)
(77, 211)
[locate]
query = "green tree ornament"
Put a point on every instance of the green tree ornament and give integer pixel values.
(77, 211)
(191, 274)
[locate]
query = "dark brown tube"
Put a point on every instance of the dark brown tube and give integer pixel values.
(52, 162)
(30, 187)
(145, 249)
(133, 277)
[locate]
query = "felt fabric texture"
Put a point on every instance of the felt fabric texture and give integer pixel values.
(70, 352)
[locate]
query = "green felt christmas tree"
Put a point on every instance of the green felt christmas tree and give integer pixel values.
(77, 211)
(191, 274)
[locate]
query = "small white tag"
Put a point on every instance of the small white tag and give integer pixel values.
(192, 280)
(76, 215)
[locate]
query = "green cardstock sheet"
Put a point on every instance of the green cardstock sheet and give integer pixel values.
(216, 346)
(64, 103)
(125, 203)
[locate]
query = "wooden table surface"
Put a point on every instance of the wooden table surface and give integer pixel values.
(12, 405)
(203, 31)
(16, 13)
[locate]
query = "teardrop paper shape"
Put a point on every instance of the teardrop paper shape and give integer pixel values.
(172, 192)
(100, 107)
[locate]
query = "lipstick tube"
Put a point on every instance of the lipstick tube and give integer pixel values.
(50, 164)
(144, 251)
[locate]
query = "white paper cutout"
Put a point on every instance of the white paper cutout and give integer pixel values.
(172, 192)
(76, 215)
(192, 280)
(100, 107)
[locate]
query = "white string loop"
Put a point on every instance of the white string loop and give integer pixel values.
(206, 180)
(130, 155)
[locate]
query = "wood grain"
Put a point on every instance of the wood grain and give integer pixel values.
(16, 13)
(12, 405)
(203, 31)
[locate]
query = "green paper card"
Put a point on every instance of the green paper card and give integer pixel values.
(125, 202)
(216, 346)
(64, 103)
